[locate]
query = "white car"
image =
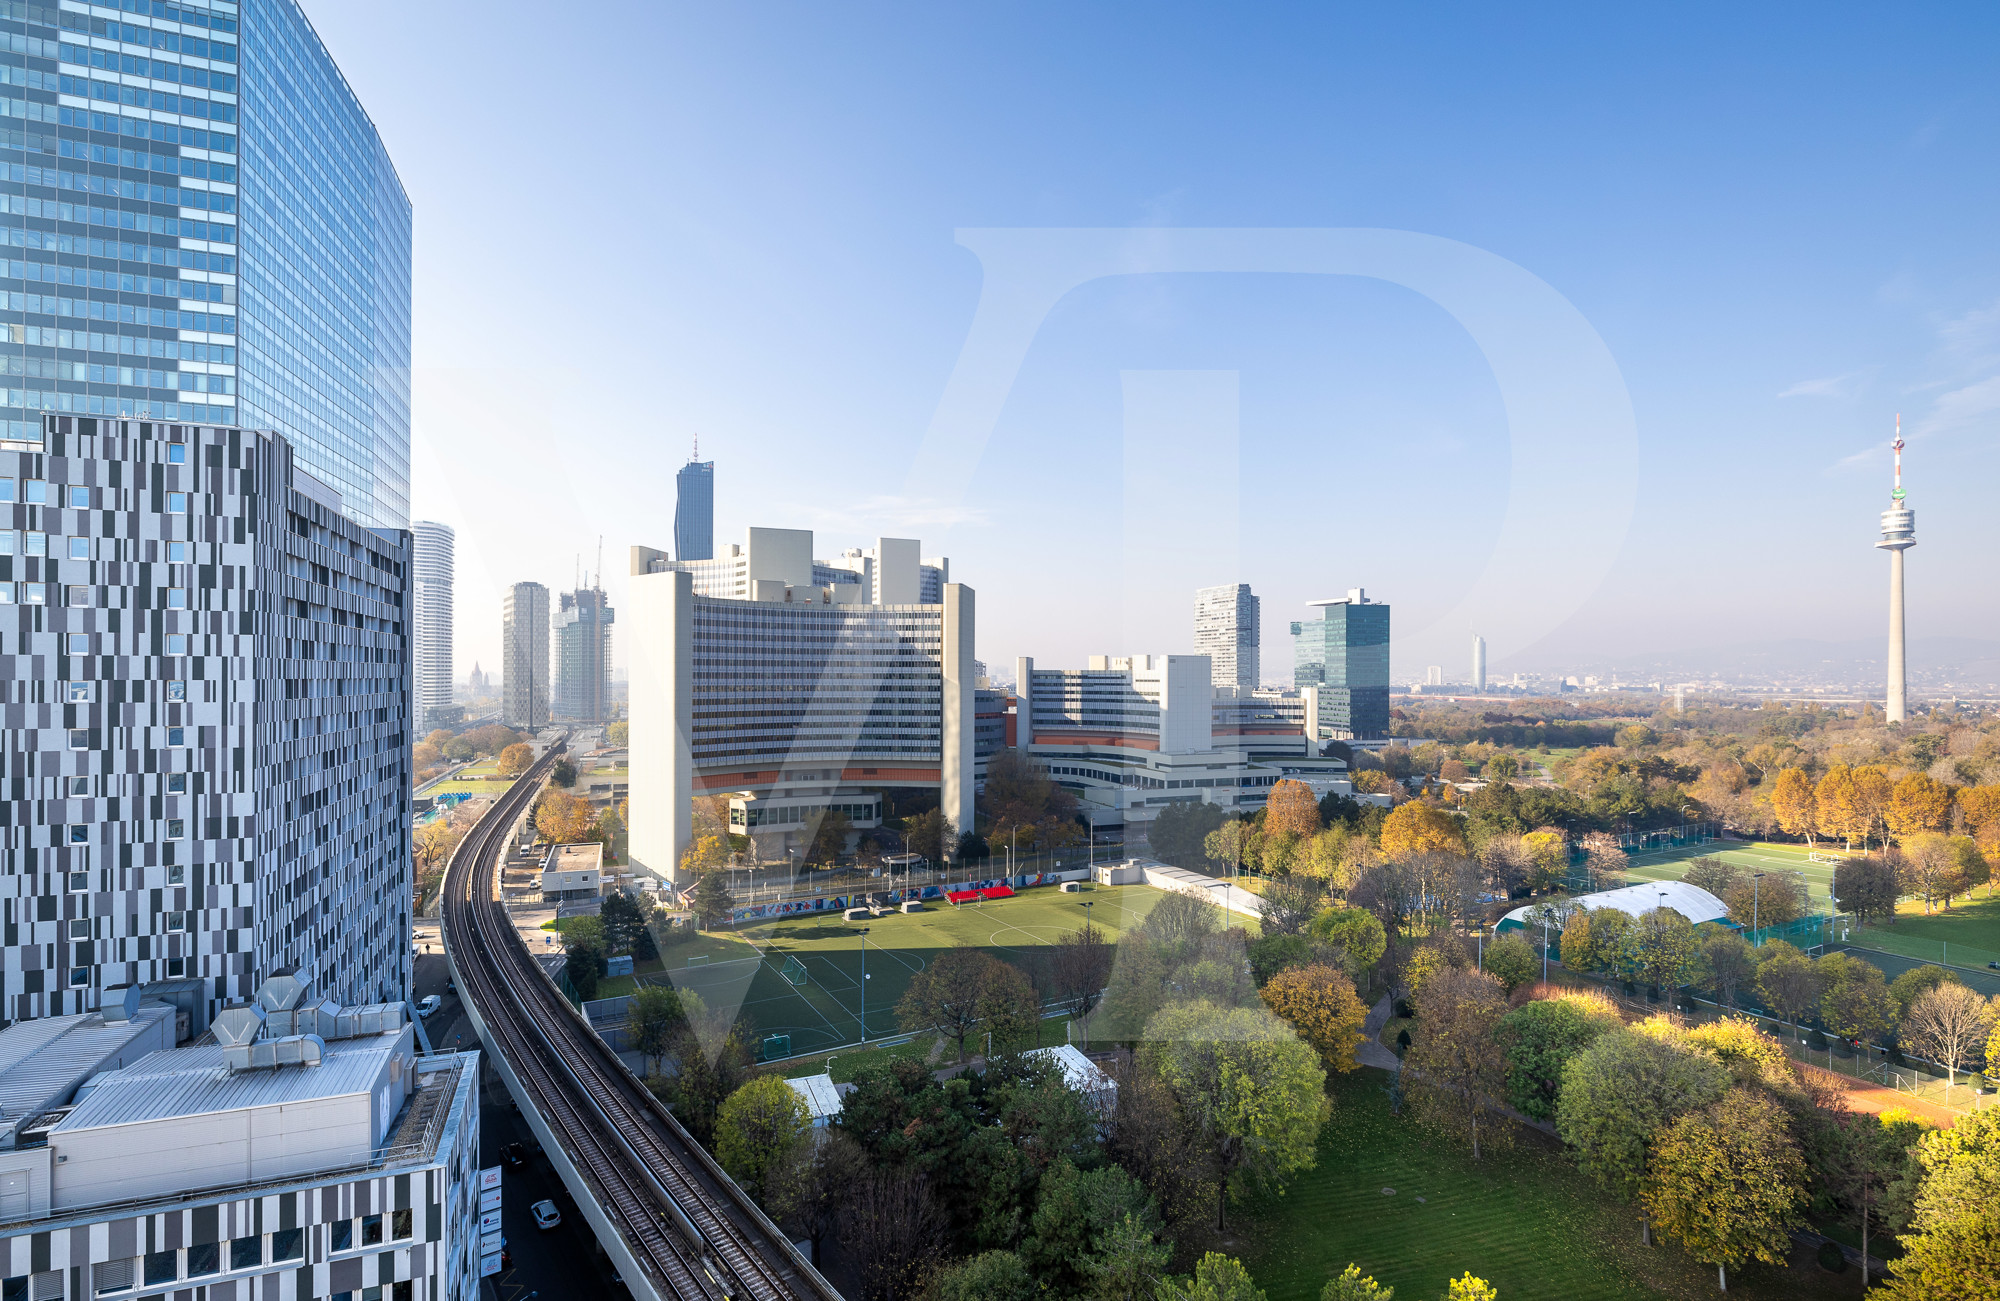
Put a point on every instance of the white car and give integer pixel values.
(429, 1004)
(546, 1215)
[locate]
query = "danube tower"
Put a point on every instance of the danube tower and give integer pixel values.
(1899, 534)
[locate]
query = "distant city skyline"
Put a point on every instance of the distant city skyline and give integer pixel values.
(1769, 312)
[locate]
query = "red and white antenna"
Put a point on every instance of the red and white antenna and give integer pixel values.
(1898, 446)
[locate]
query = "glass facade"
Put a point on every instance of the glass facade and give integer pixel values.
(694, 511)
(203, 227)
(1345, 653)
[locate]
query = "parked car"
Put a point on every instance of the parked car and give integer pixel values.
(546, 1215)
(429, 1004)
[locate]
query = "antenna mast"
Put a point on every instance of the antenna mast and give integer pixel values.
(1898, 446)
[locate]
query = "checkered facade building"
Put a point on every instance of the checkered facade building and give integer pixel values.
(207, 690)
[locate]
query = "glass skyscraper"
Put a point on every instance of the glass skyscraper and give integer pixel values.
(203, 227)
(1345, 653)
(694, 511)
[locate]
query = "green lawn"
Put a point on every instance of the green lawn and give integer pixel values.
(1525, 1220)
(1671, 864)
(743, 970)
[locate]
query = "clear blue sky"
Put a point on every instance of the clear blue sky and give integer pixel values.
(738, 222)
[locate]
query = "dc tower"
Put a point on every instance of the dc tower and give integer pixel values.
(1899, 534)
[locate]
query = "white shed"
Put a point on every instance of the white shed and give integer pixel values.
(822, 1097)
(1082, 1075)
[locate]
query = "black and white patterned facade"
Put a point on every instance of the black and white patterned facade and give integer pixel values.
(206, 682)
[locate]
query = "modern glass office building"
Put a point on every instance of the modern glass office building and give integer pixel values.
(203, 227)
(694, 511)
(1345, 653)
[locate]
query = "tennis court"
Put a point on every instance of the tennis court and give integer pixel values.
(755, 972)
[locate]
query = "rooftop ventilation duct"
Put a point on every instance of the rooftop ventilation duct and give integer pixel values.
(283, 992)
(234, 1026)
(269, 1054)
(121, 1003)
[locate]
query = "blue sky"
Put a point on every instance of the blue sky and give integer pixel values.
(738, 222)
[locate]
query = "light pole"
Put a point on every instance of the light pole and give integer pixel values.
(864, 984)
(1755, 889)
(1548, 915)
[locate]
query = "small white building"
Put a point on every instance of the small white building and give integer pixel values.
(1083, 1076)
(822, 1098)
(303, 1165)
(573, 872)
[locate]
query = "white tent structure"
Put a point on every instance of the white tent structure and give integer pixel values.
(1690, 901)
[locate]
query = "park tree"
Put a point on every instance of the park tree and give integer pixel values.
(1930, 868)
(829, 838)
(1249, 1092)
(618, 735)
(623, 918)
(1665, 950)
(1080, 968)
(1604, 860)
(756, 1130)
(1837, 807)
(894, 1228)
(1951, 1251)
(1457, 1064)
(1320, 1003)
(1760, 900)
(707, 852)
(712, 902)
(583, 951)
(1728, 964)
(1469, 1287)
(1548, 851)
(1073, 1226)
(1511, 960)
(1356, 932)
(561, 773)
(653, 1021)
(1949, 1024)
(1541, 1036)
(1919, 803)
(1325, 858)
(930, 834)
(1507, 862)
(713, 1062)
(1856, 1003)
(1873, 793)
(1974, 870)
(1290, 903)
(1178, 834)
(1231, 844)
(1292, 810)
(989, 1276)
(1727, 1182)
(1216, 1278)
(565, 819)
(1788, 981)
(1352, 1285)
(1917, 981)
(1622, 1091)
(1180, 922)
(1867, 887)
(1419, 828)
(964, 992)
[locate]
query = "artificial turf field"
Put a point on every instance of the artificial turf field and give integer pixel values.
(1525, 1220)
(744, 970)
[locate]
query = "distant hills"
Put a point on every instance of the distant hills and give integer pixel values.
(1936, 664)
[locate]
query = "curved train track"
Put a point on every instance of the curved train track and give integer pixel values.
(687, 1225)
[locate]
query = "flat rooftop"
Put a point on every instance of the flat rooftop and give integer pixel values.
(195, 1081)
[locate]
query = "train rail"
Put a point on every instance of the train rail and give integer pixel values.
(691, 1231)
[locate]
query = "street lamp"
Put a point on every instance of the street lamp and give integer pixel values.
(864, 983)
(1755, 877)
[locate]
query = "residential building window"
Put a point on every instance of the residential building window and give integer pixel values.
(79, 787)
(177, 783)
(79, 976)
(177, 644)
(177, 598)
(246, 1253)
(79, 834)
(6, 489)
(176, 828)
(79, 643)
(343, 1235)
(10, 539)
(204, 1258)
(177, 691)
(79, 548)
(400, 1224)
(78, 693)
(177, 553)
(76, 595)
(177, 875)
(38, 545)
(79, 928)
(162, 1266)
(79, 497)
(371, 1230)
(79, 882)
(288, 1244)
(79, 738)
(177, 454)
(176, 736)
(177, 921)
(109, 1277)
(35, 492)
(35, 593)
(177, 503)
(176, 967)
(7, 593)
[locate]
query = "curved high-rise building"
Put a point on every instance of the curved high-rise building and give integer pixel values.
(432, 620)
(208, 231)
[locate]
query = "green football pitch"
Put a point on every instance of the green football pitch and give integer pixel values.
(1757, 856)
(745, 971)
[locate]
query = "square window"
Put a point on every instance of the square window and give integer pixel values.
(371, 1230)
(204, 1258)
(246, 1253)
(177, 921)
(343, 1234)
(79, 548)
(79, 643)
(177, 783)
(76, 595)
(177, 553)
(176, 828)
(79, 975)
(177, 875)
(176, 967)
(78, 693)
(79, 882)
(38, 544)
(177, 598)
(288, 1244)
(177, 643)
(79, 787)
(177, 736)
(177, 691)
(177, 454)
(79, 497)
(177, 503)
(35, 492)
(162, 1266)
(35, 593)
(79, 928)
(79, 738)
(79, 833)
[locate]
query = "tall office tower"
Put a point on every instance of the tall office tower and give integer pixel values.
(1434, 675)
(1478, 662)
(1899, 534)
(801, 694)
(209, 232)
(694, 511)
(583, 656)
(1345, 653)
(432, 617)
(524, 657)
(208, 757)
(1227, 630)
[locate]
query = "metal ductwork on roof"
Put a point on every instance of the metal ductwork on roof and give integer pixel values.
(283, 992)
(236, 1026)
(120, 1003)
(269, 1054)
